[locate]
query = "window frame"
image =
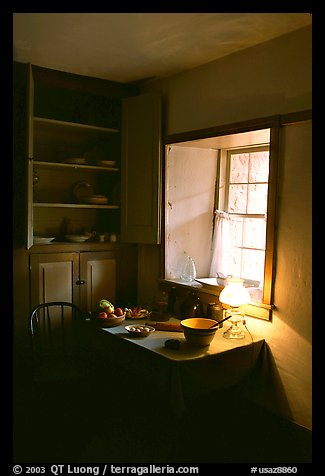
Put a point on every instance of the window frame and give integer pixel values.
(222, 198)
(262, 310)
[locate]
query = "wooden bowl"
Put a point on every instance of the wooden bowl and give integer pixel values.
(109, 321)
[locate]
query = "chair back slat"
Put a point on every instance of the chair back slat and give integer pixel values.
(56, 332)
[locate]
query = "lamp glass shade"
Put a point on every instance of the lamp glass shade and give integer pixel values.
(234, 294)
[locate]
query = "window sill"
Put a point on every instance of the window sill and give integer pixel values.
(206, 293)
(194, 285)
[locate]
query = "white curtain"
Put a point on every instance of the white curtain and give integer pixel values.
(221, 245)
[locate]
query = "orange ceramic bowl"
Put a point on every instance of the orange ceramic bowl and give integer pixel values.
(199, 331)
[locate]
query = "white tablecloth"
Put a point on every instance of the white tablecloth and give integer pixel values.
(184, 373)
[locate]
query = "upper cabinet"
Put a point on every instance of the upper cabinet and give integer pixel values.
(74, 183)
(94, 160)
(141, 192)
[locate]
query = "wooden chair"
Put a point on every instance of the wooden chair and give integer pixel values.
(58, 338)
(59, 406)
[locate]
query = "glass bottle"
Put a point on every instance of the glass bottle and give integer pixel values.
(188, 271)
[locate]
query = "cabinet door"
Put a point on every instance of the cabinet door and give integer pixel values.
(54, 277)
(98, 270)
(141, 169)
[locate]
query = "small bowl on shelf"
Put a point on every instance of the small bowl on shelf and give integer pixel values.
(96, 200)
(106, 163)
(199, 331)
(139, 330)
(77, 238)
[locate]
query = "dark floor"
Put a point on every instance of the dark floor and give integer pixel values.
(126, 422)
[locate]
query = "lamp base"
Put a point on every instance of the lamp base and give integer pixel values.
(234, 332)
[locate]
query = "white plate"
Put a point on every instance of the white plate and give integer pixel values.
(43, 239)
(208, 282)
(140, 330)
(77, 238)
(143, 314)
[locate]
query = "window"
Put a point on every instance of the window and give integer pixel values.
(220, 210)
(242, 194)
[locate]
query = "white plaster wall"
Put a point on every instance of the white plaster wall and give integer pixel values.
(272, 78)
(190, 193)
(289, 335)
(291, 339)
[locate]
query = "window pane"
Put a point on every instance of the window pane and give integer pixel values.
(254, 233)
(239, 168)
(259, 167)
(253, 265)
(237, 198)
(257, 198)
(236, 231)
(235, 262)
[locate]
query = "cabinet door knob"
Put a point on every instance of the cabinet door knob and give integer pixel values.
(80, 281)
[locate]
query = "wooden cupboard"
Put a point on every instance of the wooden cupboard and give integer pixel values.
(94, 163)
(76, 136)
(97, 278)
(54, 277)
(84, 277)
(73, 160)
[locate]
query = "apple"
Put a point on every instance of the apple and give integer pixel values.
(109, 309)
(118, 311)
(105, 305)
(102, 315)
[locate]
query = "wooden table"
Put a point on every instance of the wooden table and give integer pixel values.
(184, 373)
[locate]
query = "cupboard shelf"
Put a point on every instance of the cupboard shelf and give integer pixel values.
(74, 205)
(62, 166)
(68, 131)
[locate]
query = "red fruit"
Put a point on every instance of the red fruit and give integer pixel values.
(118, 311)
(102, 315)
